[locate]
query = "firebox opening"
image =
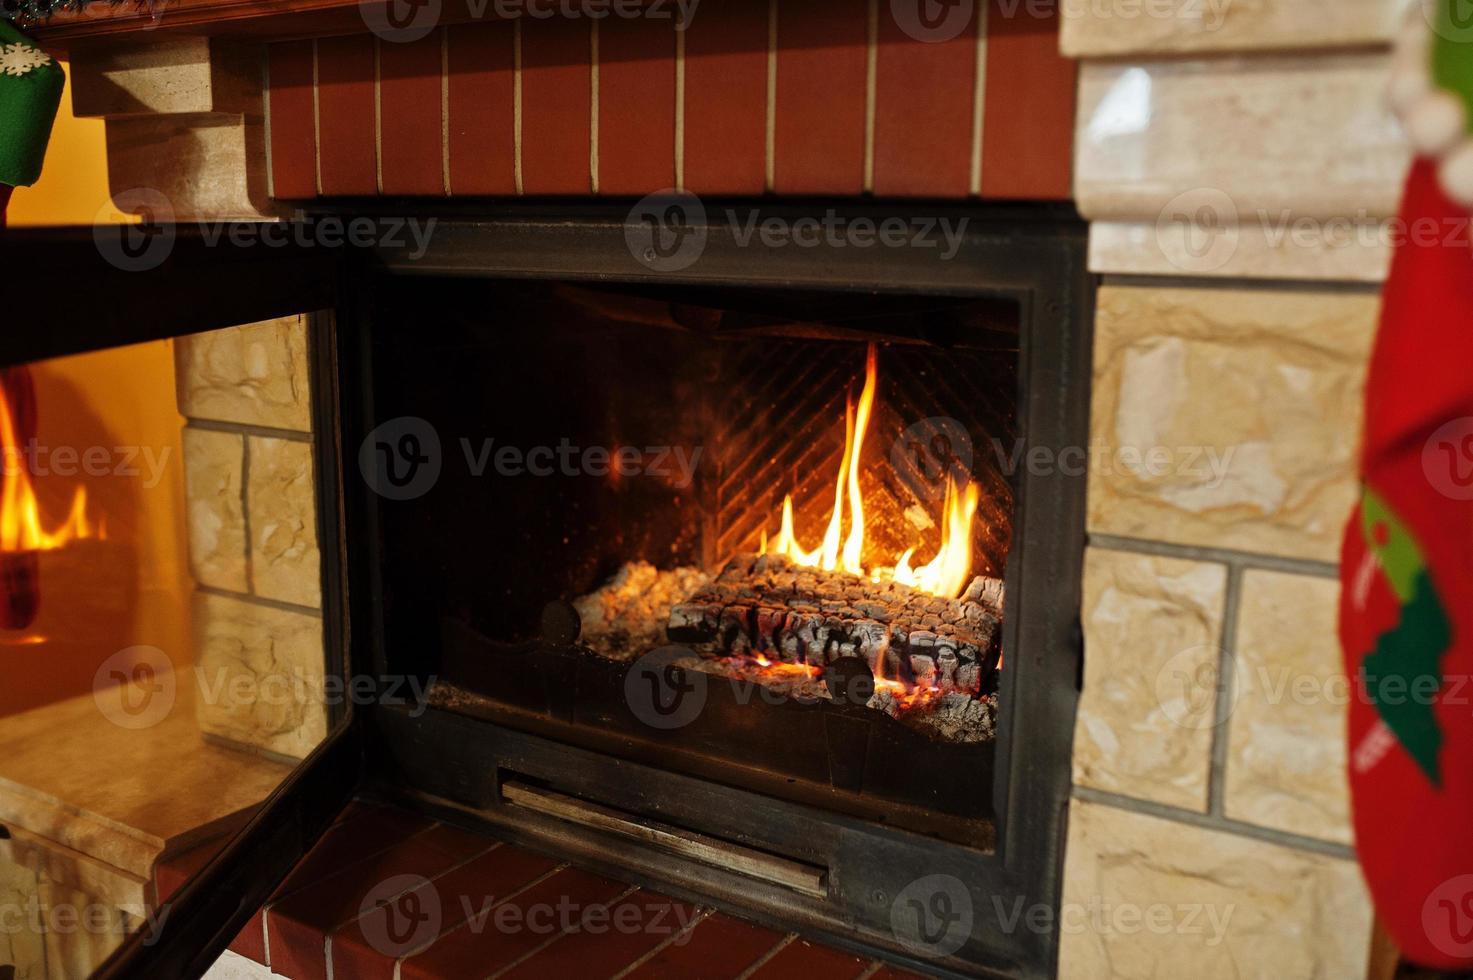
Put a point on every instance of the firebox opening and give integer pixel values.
(801, 496)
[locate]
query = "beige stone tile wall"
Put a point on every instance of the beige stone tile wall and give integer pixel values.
(1250, 399)
(1150, 899)
(1153, 627)
(1209, 752)
(258, 647)
(1283, 166)
(1099, 30)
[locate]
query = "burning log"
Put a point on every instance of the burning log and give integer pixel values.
(771, 606)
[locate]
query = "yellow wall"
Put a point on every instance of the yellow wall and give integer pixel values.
(73, 185)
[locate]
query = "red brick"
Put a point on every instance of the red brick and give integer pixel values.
(411, 140)
(636, 105)
(1028, 108)
(719, 946)
(471, 887)
(924, 94)
(557, 105)
(345, 123)
(171, 873)
(480, 948)
(601, 946)
(482, 141)
(819, 127)
(726, 98)
(804, 960)
(301, 920)
(293, 126)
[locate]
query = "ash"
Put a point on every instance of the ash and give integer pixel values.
(626, 616)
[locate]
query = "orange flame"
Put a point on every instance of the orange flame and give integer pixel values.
(945, 575)
(20, 515)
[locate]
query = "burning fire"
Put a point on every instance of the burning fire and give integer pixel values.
(945, 575)
(20, 515)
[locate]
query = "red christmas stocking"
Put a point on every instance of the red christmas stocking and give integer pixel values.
(1406, 613)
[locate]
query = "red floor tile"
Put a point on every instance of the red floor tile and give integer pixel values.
(726, 99)
(819, 126)
(804, 960)
(719, 946)
(366, 948)
(300, 921)
(412, 139)
(346, 132)
(604, 942)
(170, 875)
(293, 123)
(482, 137)
(513, 929)
(636, 105)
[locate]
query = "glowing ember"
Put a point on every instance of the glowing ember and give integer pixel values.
(20, 515)
(947, 574)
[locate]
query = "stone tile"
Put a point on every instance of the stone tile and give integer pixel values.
(1228, 417)
(72, 948)
(22, 943)
(181, 75)
(206, 166)
(254, 374)
(259, 674)
(1095, 30)
(113, 778)
(1286, 745)
(1146, 248)
(1151, 632)
(283, 506)
(213, 471)
(1229, 135)
(1151, 899)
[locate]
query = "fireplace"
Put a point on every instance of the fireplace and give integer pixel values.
(752, 579)
(758, 579)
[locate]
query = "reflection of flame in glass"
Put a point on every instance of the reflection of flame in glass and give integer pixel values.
(946, 574)
(20, 515)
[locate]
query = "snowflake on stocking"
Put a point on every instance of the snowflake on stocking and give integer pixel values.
(18, 59)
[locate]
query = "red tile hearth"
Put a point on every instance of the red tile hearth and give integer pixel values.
(445, 903)
(824, 97)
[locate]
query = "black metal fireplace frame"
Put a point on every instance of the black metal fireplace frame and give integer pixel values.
(452, 765)
(456, 766)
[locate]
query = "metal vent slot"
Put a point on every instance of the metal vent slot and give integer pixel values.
(803, 878)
